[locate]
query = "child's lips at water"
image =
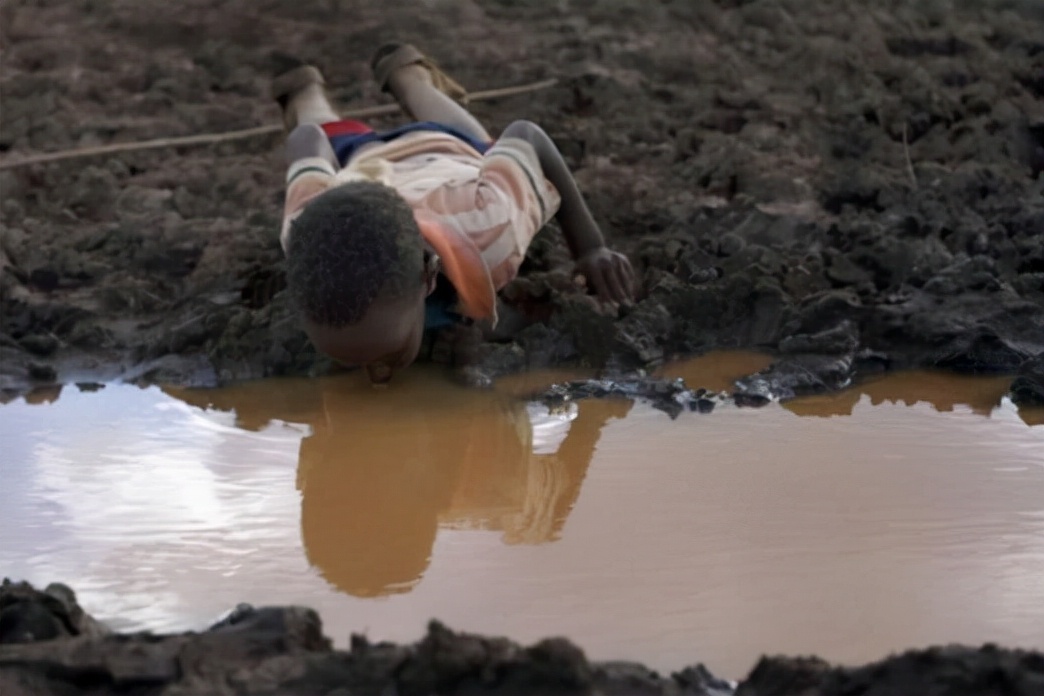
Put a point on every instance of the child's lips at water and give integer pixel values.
(379, 373)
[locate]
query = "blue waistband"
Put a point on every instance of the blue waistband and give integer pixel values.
(347, 144)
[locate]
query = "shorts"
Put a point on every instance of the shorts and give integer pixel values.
(348, 136)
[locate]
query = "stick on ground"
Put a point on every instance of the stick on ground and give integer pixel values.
(211, 138)
(909, 162)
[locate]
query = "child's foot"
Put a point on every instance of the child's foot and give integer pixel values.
(300, 92)
(392, 56)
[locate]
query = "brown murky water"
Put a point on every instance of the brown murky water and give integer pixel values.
(907, 512)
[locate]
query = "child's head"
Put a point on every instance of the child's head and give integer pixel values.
(357, 271)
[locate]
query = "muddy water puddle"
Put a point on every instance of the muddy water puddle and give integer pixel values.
(909, 511)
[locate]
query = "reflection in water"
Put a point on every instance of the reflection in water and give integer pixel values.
(714, 537)
(44, 395)
(377, 477)
(717, 371)
(384, 468)
(944, 392)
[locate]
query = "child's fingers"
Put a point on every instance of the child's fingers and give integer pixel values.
(622, 280)
(614, 285)
(596, 281)
(632, 279)
(626, 275)
(611, 278)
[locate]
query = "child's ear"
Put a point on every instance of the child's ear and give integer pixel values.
(431, 271)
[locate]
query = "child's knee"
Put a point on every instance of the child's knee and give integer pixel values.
(530, 132)
(522, 128)
(306, 140)
(306, 133)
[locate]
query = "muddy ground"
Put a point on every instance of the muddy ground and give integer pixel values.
(853, 186)
(49, 645)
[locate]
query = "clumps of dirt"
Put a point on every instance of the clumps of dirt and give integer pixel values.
(28, 615)
(853, 189)
(672, 397)
(1028, 387)
(951, 670)
(48, 645)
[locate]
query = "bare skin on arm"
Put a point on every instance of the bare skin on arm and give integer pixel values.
(609, 272)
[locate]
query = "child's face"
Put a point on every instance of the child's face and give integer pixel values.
(386, 340)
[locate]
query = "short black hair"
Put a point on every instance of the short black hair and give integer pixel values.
(349, 245)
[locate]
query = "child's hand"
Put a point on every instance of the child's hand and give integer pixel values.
(609, 273)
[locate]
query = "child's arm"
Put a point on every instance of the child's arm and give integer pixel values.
(607, 271)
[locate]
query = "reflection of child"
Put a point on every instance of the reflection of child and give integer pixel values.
(372, 218)
(381, 472)
(377, 473)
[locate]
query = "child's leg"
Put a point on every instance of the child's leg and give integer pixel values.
(412, 87)
(407, 74)
(302, 95)
(311, 105)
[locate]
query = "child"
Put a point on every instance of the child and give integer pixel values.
(372, 218)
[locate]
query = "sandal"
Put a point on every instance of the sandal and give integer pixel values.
(287, 85)
(392, 56)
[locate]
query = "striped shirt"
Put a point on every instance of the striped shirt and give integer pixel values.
(488, 207)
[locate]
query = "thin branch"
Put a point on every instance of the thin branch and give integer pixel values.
(909, 162)
(211, 138)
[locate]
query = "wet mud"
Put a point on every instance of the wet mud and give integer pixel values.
(853, 188)
(672, 397)
(49, 645)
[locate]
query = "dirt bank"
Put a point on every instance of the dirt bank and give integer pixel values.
(855, 186)
(49, 645)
